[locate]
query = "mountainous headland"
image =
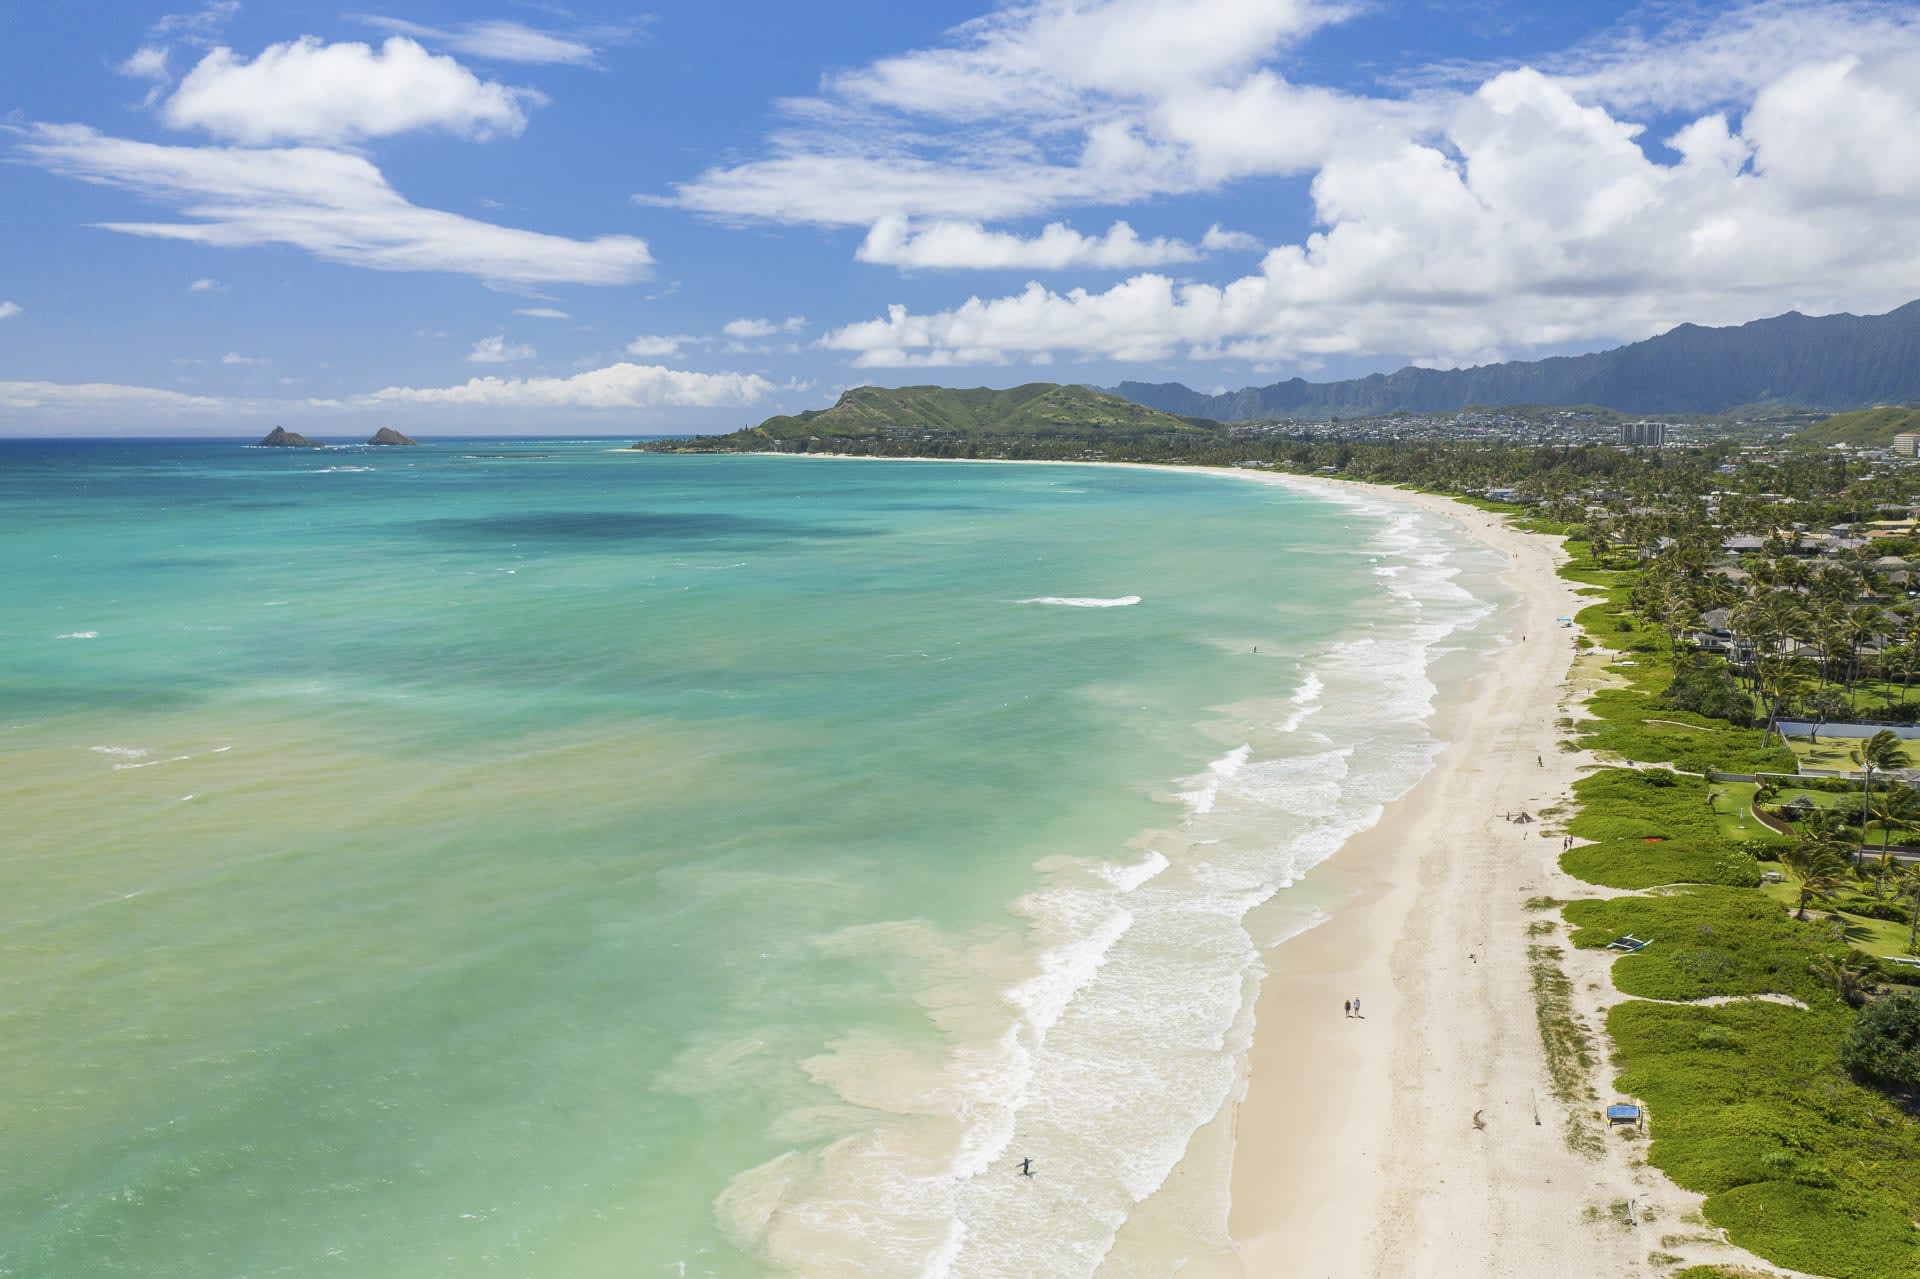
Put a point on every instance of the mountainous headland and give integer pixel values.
(1829, 362)
(1042, 418)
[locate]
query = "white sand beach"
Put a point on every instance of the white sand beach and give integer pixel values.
(1422, 1139)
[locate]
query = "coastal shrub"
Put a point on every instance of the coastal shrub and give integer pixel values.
(1884, 1044)
(1635, 863)
(1817, 1229)
(1707, 941)
(1709, 691)
(1798, 1161)
(1632, 723)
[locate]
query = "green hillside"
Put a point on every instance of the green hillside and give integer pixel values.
(1867, 428)
(945, 422)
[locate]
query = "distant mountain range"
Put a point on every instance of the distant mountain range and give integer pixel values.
(1829, 362)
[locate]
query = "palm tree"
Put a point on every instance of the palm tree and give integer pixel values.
(1882, 752)
(1818, 865)
(1895, 806)
(1846, 974)
(1910, 889)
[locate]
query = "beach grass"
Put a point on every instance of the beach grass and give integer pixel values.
(1568, 1044)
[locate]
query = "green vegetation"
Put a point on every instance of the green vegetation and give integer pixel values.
(1706, 941)
(1865, 428)
(1884, 1044)
(1752, 1107)
(1652, 827)
(1755, 1101)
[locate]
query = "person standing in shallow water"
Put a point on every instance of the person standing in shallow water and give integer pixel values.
(1026, 1166)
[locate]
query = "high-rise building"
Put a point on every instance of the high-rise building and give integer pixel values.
(1644, 434)
(1907, 443)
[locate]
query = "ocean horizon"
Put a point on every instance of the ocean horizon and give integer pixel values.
(526, 856)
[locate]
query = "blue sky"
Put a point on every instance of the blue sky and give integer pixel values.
(612, 219)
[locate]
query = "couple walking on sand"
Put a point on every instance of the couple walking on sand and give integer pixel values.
(1353, 1008)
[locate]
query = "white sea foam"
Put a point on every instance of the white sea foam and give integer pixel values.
(1084, 601)
(121, 752)
(79, 635)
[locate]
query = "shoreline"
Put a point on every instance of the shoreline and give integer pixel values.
(1351, 1143)
(1423, 1139)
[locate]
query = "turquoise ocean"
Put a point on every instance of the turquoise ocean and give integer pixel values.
(530, 858)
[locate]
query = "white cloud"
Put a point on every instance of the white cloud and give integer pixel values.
(542, 313)
(10, 309)
(308, 91)
(1220, 240)
(495, 350)
(618, 386)
(1037, 106)
(149, 62)
(746, 328)
(657, 347)
(332, 204)
(100, 395)
(1535, 220)
(206, 284)
(234, 357)
(894, 241)
(497, 40)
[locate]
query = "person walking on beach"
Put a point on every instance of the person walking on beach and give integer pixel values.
(1356, 1007)
(1349, 1007)
(1026, 1166)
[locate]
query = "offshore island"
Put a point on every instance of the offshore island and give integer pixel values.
(1641, 953)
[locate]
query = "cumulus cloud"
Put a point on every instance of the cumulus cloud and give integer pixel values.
(497, 350)
(1535, 219)
(1530, 211)
(9, 309)
(893, 241)
(206, 284)
(657, 347)
(500, 41)
(306, 90)
(543, 313)
(749, 328)
(333, 204)
(618, 386)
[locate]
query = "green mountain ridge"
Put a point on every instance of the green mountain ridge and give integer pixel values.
(1829, 362)
(940, 419)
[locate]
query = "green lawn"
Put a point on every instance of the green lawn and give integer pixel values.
(1878, 937)
(1733, 810)
(1836, 753)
